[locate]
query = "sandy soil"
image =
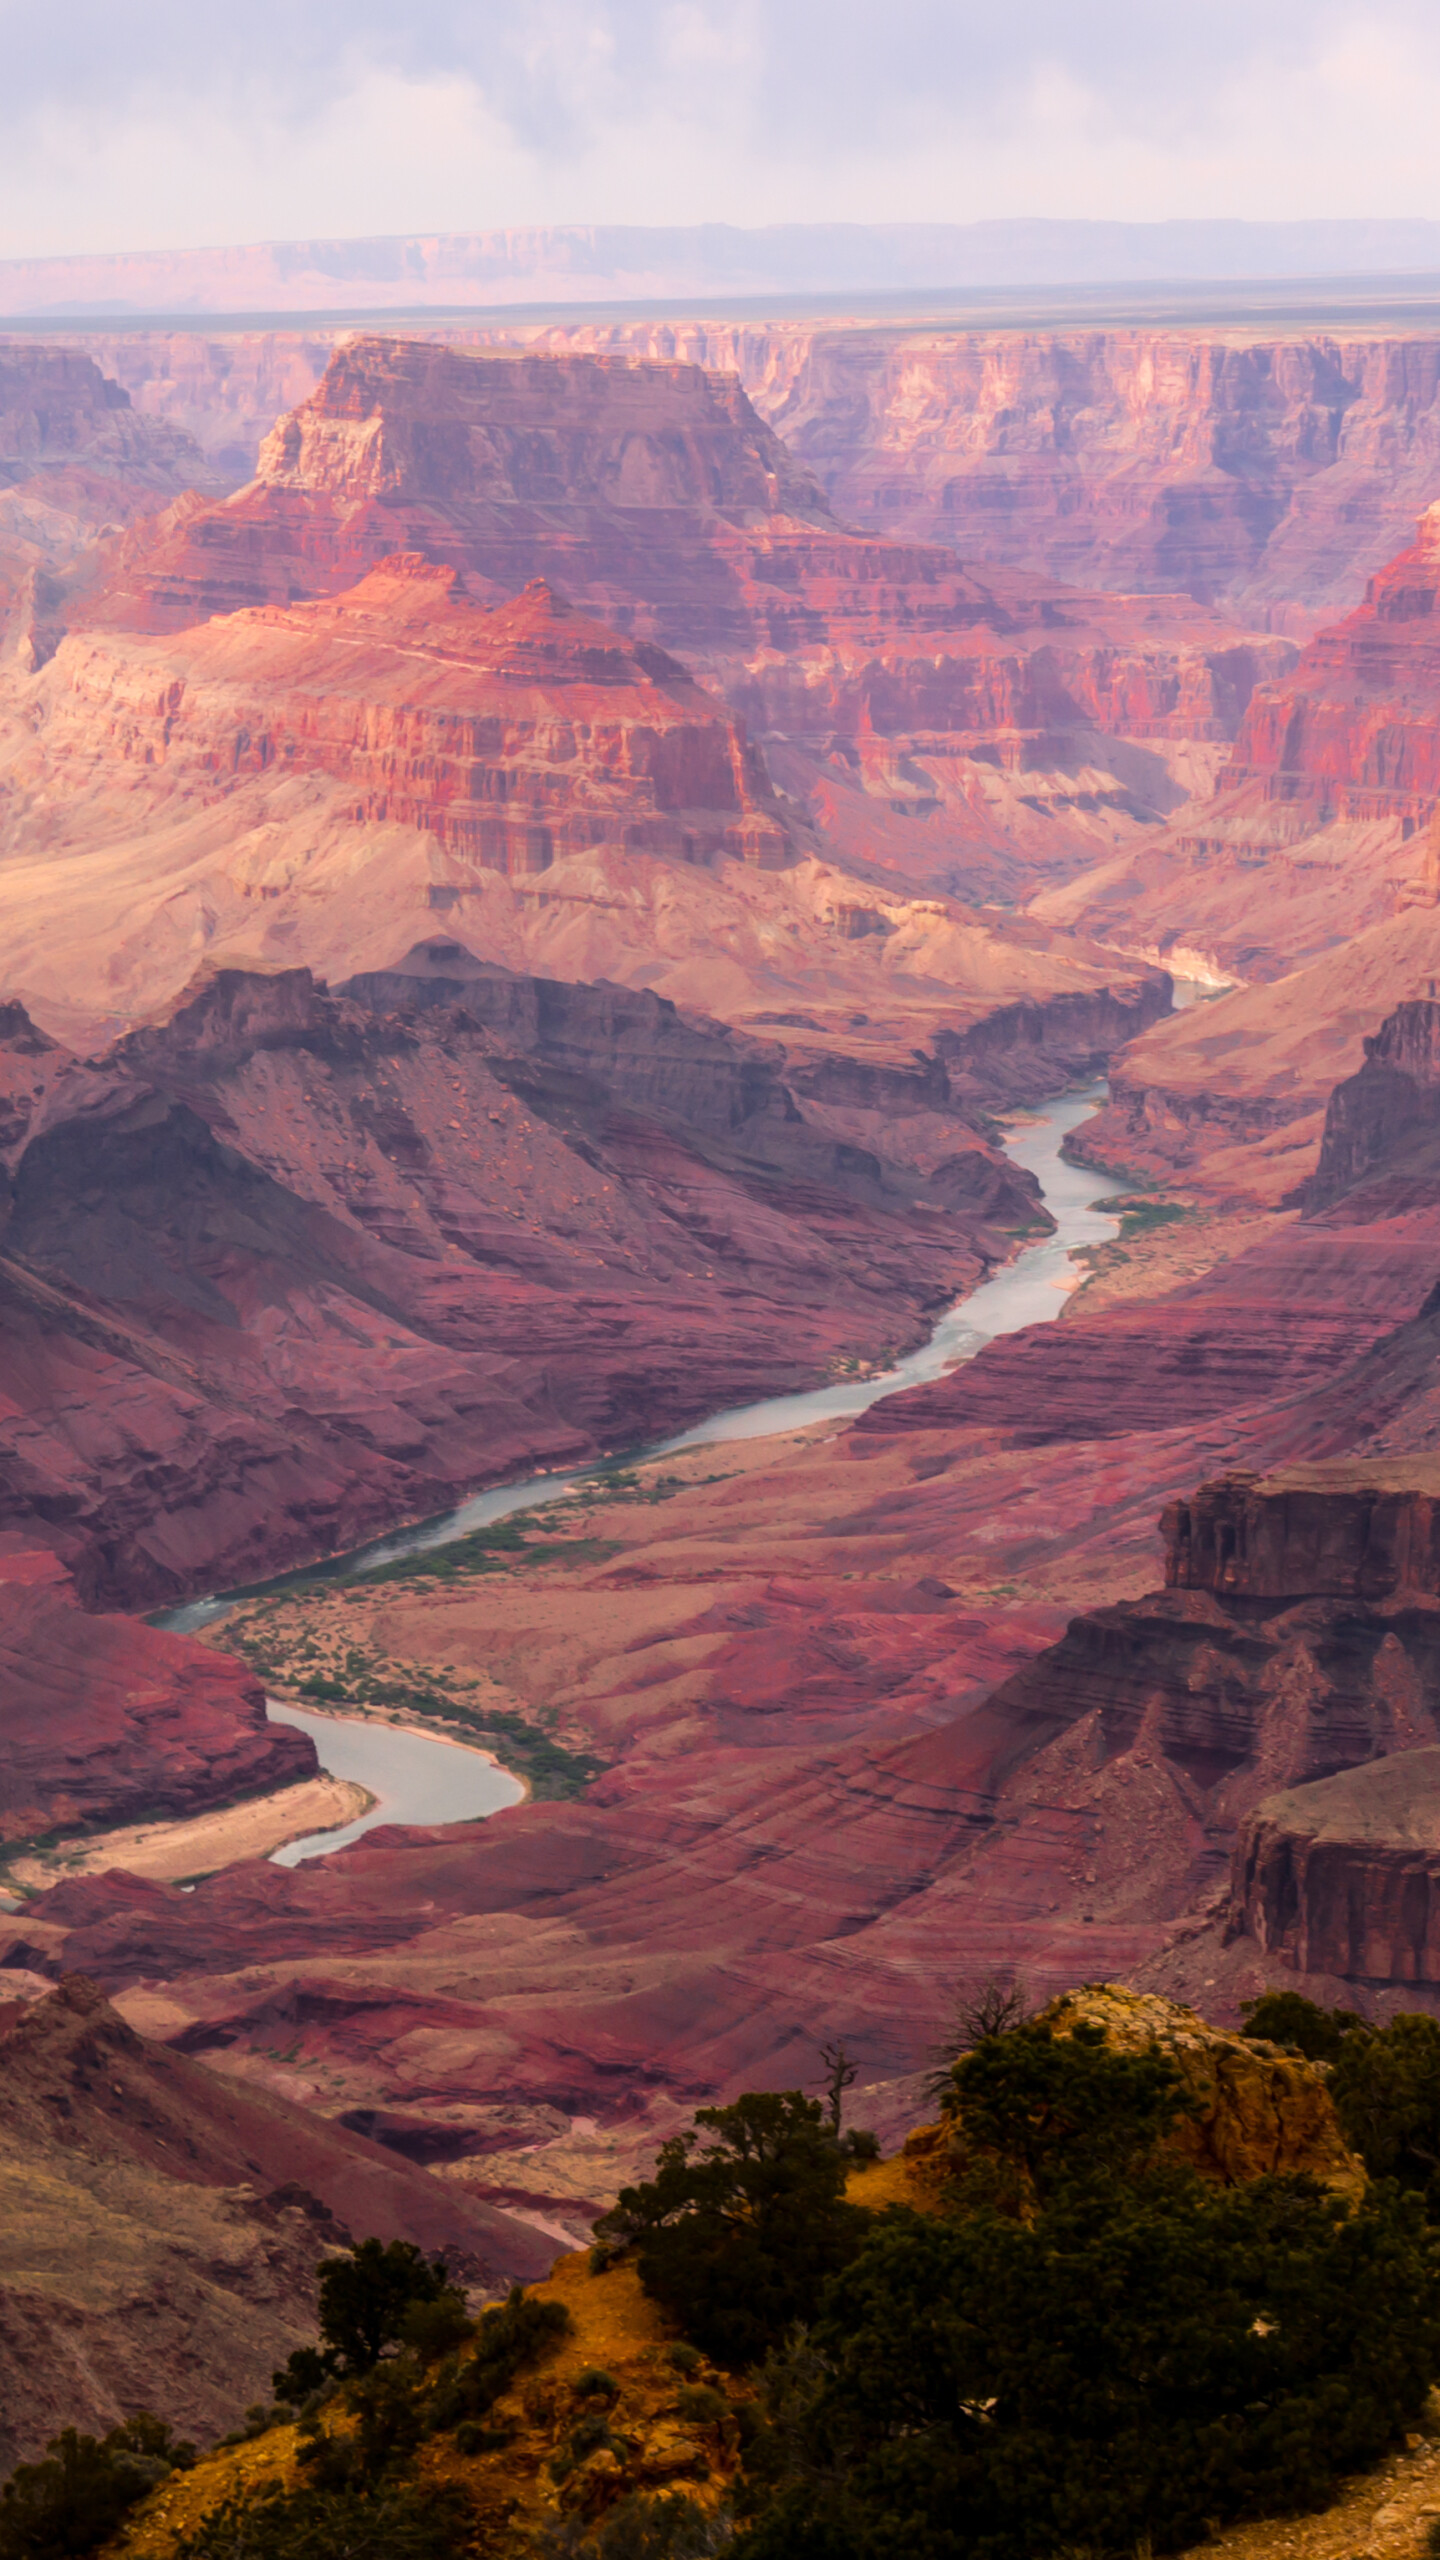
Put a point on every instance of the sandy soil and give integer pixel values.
(167, 1850)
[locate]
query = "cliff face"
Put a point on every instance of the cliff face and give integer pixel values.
(58, 409)
(1268, 471)
(76, 461)
(1352, 731)
(1306, 1536)
(1322, 821)
(399, 418)
(1382, 1125)
(1342, 1878)
(513, 737)
(108, 1721)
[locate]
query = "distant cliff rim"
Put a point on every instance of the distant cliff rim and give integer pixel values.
(605, 262)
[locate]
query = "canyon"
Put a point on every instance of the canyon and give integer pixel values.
(1267, 471)
(522, 923)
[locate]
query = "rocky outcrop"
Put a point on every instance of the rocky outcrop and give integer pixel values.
(315, 1261)
(1254, 2112)
(1382, 1125)
(513, 737)
(1342, 1878)
(162, 2226)
(105, 1720)
(1321, 1532)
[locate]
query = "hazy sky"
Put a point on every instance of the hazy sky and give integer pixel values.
(147, 123)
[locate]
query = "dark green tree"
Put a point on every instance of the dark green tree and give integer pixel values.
(737, 2235)
(1144, 2355)
(369, 2300)
(1057, 2110)
(75, 2497)
(1287, 2017)
(1386, 2088)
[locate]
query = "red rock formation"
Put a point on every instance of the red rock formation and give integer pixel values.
(1341, 1879)
(654, 494)
(514, 737)
(1351, 733)
(1268, 470)
(1265, 471)
(1382, 1124)
(1304, 1537)
(309, 1264)
(76, 461)
(1319, 825)
(107, 1721)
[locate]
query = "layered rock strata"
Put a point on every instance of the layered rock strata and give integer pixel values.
(1321, 821)
(513, 737)
(653, 494)
(1267, 469)
(1341, 1879)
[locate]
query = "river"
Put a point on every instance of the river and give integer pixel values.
(418, 1778)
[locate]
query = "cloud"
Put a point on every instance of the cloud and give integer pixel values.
(129, 123)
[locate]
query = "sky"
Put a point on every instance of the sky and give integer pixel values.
(185, 123)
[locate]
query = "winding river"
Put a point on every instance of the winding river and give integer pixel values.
(416, 1777)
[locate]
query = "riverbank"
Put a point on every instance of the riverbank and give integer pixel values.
(332, 1636)
(180, 1852)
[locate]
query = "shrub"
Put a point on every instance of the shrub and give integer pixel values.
(737, 2238)
(1144, 2355)
(1386, 2088)
(405, 2522)
(595, 2384)
(640, 2528)
(1287, 2017)
(702, 2407)
(683, 2356)
(508, 2337)
(75, 2496)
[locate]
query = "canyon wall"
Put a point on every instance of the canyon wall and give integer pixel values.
(513, 737)
(1268, 471)
(1321, 826)
(1341, 1879)
(313, 1262)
